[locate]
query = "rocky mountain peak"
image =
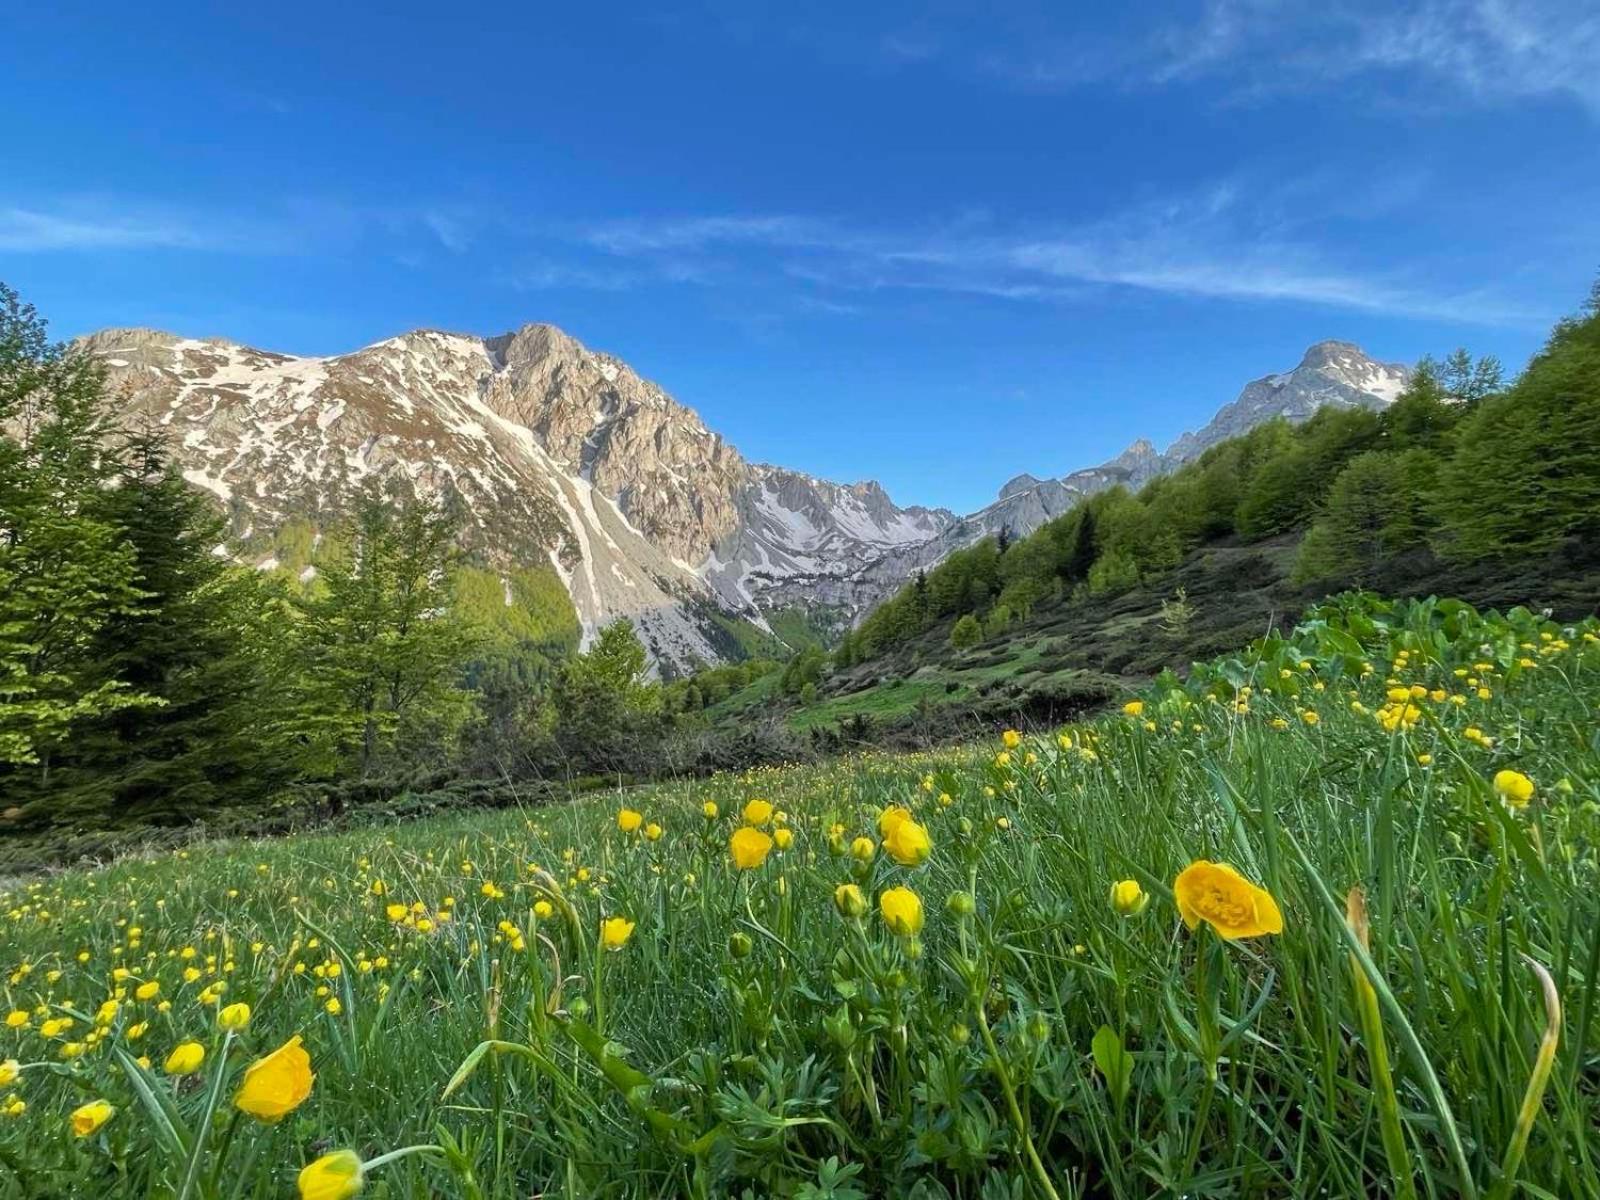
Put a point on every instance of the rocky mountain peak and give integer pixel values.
(1018, 484)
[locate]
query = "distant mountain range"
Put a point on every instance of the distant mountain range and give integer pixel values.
(565, 456)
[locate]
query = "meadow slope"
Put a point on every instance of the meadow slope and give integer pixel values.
(672, 991)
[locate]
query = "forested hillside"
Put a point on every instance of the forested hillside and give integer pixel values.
(1464, 484)
(148, 678)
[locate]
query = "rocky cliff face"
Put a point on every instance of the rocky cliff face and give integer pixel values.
(562, 455)
(557, 454)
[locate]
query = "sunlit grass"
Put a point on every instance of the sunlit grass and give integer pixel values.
(1033, 1037)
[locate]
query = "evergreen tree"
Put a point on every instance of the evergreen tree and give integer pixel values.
(1082, 547)
(65, 569)
(192, 641)
(1461, 378)
(383, 655)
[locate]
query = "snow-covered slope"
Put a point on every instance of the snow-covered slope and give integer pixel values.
(559, 454)
(556, 453)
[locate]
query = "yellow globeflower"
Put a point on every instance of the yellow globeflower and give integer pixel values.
(1011, 738)
(653, 832)
(863, 848)
(336, 1176)
(1515, 788)
(89, 1117)
(185, 1059)
(396, 912)
(9, 1070)
(274, 1086)
(890, 817)
(709, 810)
(847, 898)
(902, 911)
(757, 812)
(235, 1017)
(1128, 898)
(749, 847)
(1225, 900)
(147, 991)
(629, 821)
(1134, 708)
(783, 838)
(908, 843)
(615, 932)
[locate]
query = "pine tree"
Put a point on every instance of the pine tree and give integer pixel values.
(190, 640)
(65, 570)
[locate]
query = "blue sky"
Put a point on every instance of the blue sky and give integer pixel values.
(935, 244)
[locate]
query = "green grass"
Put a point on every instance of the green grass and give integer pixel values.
(748, 1039)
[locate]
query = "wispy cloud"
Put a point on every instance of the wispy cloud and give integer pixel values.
(1488, 51)
(1236, 240)
(292, 226)
(33, 230)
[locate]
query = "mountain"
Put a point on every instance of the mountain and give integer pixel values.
(1332, 373)
(562, 456)
(556, 454)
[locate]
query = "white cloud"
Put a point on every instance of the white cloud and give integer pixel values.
(31, 230)
(1237, 240)
(1489, 51)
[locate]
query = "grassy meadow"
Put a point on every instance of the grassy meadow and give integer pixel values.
(672, 990)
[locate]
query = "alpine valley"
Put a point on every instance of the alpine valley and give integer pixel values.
(564, 459)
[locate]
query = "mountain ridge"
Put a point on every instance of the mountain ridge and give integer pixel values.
(567, 456)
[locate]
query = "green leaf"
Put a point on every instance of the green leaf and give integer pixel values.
(1113, 1062)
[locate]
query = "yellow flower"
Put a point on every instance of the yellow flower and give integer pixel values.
(1128, 898)
(783, 838)
(615, 932)
(235, 1017)
(9, 1070)
(1310, 716)
(629, 821)
(89, 1117)
(890, 817)
(185, 1059)
(396, 912)
(902, 911)
(543, 909)
(333, 1007)
(863, 848)
(709, 810)
(1011, 738)
(908, 843)
(274, 1086)
(1134, 708)
(336, 1176)
(757, 812)
(16, 1019)
(653, 832)
(1225, 900)
(847, 898)
(147, 991)
(1515, 788)
(749, 847)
